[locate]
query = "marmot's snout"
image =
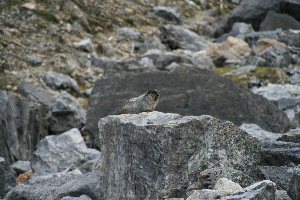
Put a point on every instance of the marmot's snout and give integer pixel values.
(154, 92)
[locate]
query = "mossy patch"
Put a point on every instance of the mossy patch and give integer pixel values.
(243, 78)
(47, 15)
(223, 70)
(130, 21)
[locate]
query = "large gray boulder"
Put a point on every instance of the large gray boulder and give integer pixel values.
(275, 21)
(253, 11)
(177, 37)
(21, 127)
(187, 91)
(65, 113)
(36, 94)
(7, 176)
(58, 187)
(57, 153)
(159, 155)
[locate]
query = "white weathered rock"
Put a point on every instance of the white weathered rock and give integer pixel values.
(86, 45)
(275, 92)
(57, 153)
(227, 185)
(259, 133)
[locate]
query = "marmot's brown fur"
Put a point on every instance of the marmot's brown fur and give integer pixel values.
(144, 103)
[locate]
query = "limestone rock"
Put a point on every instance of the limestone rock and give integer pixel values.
(36, 94)
(58, 187)
(56, 153)
(281, 175)
(86, 45)
(129, 33)
(7, 178)
(279, 153)
(59, 81)
(82, 197)
(227, 185)
(276, 56)
(209, 177)
(291, 136)
(65, 113)
(177, 37)
(264, 43)
(21, 166)
(207, 194)
(294, 186)
(167, 13)
(231, 48)
(274, 92)
(282, 195)
(157, 154)
(22, 127)
(262, 190)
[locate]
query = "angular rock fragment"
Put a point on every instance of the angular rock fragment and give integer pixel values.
(167, 13)
(65, 113)
(159, 154)
(57, 153)
(21, 127)
(59, 81)
(7, 178)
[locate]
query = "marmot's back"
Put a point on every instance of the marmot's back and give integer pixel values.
(144, 103)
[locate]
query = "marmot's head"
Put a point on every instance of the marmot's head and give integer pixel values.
(154, 94)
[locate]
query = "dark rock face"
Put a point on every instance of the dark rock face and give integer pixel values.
(253, 11)
(278, 153)
(57, 188)
(36, 94)
(291, 7)
(7, 178)
(158, 155)
(21, 127)
(275, 21)
(65, 113)
(187, 91)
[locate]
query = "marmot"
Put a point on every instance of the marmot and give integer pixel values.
(144, 103)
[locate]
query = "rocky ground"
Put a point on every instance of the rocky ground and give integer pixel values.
(65, 65)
